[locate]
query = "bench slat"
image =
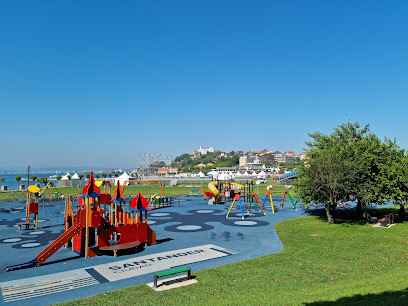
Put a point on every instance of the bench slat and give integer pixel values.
(171, 272)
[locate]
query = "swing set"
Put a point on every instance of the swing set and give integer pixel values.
(286, 192)
(255, 196)
(238, 197)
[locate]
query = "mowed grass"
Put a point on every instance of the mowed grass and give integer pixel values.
(346, 263)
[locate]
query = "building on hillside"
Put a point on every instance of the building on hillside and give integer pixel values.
(267, 158)
(222, 154)
(247, 160)
(204, 151)
(302, 155)
(200, 166)
(283, 158)
(167, 170)
(195, 154)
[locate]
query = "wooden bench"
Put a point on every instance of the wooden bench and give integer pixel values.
(387, 220)
(171, 272)
(115, 246)
(19, 225)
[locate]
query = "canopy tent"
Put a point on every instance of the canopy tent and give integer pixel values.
(213, 173)
(75, 180)
(64, 181)
(254, 174)
(246, 174)
(221, 177)
(224, 176)
(200, 174)
(121, 179)
(262, 174)
(238, 174)
(65, 177)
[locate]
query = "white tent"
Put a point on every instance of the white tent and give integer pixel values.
(221, 177)
(200, 174)
(213, 173)
(75, 180)
(246, 173)
(124, 177)
(262, 174)
(254, 174)
(64, 181)
(65, 177)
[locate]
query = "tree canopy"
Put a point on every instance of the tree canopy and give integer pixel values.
(352, 161)
(186, 163)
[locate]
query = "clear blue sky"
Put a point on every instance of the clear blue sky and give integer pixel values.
(86, 83)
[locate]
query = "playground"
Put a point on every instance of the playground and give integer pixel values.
(190, 231)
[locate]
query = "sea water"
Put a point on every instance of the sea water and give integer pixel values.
(12, 184)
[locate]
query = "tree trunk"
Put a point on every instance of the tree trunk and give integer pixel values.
(358, 208)
(329, 213)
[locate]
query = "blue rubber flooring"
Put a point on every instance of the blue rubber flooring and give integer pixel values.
(193, 223)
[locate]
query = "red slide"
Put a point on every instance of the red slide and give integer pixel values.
(207, 194)
(59, 242)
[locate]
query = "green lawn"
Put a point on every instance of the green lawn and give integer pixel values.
(345, 263)
(146, 189)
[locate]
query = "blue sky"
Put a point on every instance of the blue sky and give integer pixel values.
(86, 83)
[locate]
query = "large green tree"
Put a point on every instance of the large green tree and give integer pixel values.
(319, 181)
(352, 161)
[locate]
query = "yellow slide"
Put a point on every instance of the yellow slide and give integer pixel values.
(217, 196)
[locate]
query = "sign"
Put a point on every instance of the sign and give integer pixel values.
(160, 261)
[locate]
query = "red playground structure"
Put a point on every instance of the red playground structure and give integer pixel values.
(91, 231)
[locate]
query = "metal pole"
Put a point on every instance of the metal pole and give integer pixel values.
(28, 180)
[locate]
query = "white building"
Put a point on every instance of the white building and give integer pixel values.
(204, 151)
(247, 160)
(283, 158)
